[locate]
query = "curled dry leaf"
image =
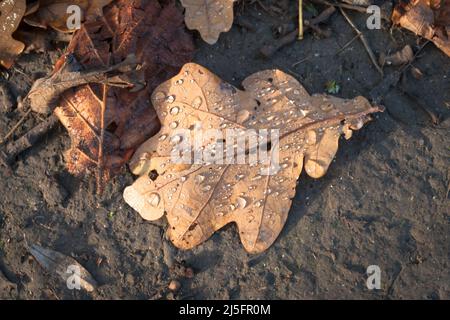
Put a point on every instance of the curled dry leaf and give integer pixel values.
(107, 123)
(199, 198)
(398, 58)
(57, 263)
(427, 18)
(53, 13)
(11, 13)
(209, 17)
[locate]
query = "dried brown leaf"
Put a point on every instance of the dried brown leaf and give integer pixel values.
(209, 17)
(200, 199)
(64, 266)
(398, 58)
(107, 123)
(427, 18)
(53, 13)
(11, 13)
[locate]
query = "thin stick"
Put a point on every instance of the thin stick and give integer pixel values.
(13, 149)
(13, 129)
(363, 40)
(348, 44)
(300, 19)
(409, 64)
(101, 161)
(342, 5)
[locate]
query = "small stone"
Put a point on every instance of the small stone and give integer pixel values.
(174, 286)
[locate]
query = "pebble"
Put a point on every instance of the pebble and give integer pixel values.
(174, 286)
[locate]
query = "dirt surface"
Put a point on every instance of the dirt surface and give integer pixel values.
(383, 202)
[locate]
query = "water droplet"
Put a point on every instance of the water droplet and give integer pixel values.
(258, 203)
(163, 137)
(207, 188)
(239, 176)
(176, 139)
(174, 111)
(183, 179)
(173, 125)
(180, 82)
(303, 113)
(154, 199)
(197, 102)
(241, 202)
(200, 178)
(170, 99)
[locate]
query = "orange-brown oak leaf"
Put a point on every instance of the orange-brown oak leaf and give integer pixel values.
(209, 17)
(201, 198)
(107, 123)
(427, 18)
(11, 13)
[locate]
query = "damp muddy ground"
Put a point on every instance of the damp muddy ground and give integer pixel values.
(384, 200)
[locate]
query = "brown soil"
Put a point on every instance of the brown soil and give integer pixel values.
(383, 202)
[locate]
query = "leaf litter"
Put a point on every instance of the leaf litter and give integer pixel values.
(110, 116)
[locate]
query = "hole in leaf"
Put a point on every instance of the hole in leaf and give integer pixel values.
(153, 175)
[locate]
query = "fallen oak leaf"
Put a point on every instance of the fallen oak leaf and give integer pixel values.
(199, 199)
(209, 17)
(67, 268)
(427, 18)
(11, 13)
(54, 13)
(106, 124)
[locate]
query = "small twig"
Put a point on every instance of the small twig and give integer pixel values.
(301, 61)
(27, 77)
(13, 149)
(300, 19)
(269, 50)
(13, 129)
(348, 44)
(101, 161)
(342, 5)
(409, 64)
(363, 40)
